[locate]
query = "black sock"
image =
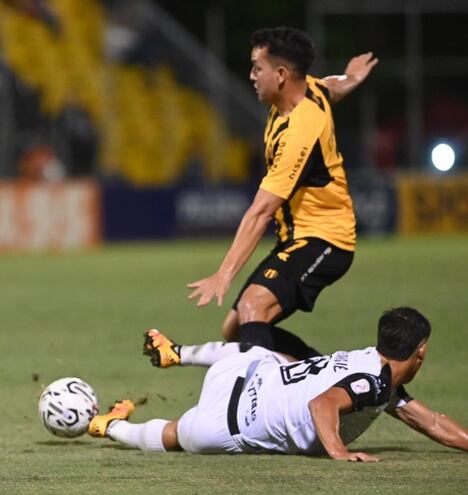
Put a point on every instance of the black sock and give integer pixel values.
(256, 333)
(274, 338)
(288, 343)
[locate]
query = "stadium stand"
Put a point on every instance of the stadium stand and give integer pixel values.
(151, 129)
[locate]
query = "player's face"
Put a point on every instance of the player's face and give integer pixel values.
(264, 75)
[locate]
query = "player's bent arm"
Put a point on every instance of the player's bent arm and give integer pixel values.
(251, 230)
(357, 70)
(248, 235)
(436, 426)
(325, 410)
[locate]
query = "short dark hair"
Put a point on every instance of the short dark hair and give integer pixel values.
(400, 332)
(287, 43)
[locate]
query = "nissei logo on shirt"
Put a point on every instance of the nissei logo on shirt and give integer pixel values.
(361, 386)
(299, 162)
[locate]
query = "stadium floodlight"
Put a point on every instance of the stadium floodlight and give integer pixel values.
(443, 157)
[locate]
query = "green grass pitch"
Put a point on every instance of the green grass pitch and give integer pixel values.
(84, 315)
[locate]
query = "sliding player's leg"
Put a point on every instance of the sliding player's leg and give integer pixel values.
(158, 435)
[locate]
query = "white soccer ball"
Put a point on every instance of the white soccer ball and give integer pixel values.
(67, 406)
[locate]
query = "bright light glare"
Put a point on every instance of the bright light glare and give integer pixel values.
(443, 157)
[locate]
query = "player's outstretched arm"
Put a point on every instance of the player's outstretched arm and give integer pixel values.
(325, 411)
(249, 233)
(356, 72)
(436, 426)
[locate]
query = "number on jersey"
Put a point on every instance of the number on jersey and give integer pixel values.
(293, 373)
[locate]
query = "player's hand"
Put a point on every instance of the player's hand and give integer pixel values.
(359, 67)
(208, 288)
(357, 457)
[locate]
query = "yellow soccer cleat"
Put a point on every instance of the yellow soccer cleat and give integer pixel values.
(121, 410)
(162, 351)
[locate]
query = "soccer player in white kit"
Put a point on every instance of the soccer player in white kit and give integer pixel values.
(260, 401)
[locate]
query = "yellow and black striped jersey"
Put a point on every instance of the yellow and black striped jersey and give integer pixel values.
(305, 168)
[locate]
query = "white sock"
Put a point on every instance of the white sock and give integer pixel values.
(144, 436)
(207, 354)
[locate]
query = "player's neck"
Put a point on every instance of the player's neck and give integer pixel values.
(399, 371)
(398, 368)
(398, 374)
(290, 96)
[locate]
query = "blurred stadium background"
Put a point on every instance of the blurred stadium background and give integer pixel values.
(136, 120)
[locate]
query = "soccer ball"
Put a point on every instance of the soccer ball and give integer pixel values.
(67, 406)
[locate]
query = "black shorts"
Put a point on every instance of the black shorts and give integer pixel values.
(296, 272)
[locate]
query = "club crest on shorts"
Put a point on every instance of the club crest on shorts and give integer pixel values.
(270, 273)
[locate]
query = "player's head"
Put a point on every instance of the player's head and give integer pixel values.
(286, 45)
(402, 336)
(401, 332)
(279, 53)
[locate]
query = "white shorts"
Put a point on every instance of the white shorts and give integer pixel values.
(204, 428)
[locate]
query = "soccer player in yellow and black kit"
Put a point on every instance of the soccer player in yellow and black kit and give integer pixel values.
(304, 190)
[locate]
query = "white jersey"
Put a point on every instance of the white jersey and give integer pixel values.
(273, 413)
(258, 402)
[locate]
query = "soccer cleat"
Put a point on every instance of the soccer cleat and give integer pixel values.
(121, 410)
(162, 351)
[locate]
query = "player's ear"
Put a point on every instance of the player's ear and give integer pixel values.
(281, 75)
(422, 350)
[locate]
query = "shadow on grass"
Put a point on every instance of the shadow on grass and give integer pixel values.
(384, 449)
(82, 443)
(117, 446)
(63, 443)
(371, 450)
